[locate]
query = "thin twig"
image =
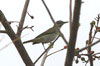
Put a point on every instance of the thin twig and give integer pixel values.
(32, 17)
(95, 27)
(89, 43)
(21, 23)
(70, 15)
(54, 22)
(3, 31)
(98, 18)
(18, 44)
(11, 43)
(51, 44)
(96, 38)
(73, 34)
(56, 52)
(44, 58)
(26, 27)
(96, 53)
(91, 39)
(89, 46)
(13, 22)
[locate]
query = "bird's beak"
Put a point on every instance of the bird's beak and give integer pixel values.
(66, 22)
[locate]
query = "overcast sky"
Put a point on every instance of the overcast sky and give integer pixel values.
(60, 11)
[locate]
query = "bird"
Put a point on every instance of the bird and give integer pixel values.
(47, 36)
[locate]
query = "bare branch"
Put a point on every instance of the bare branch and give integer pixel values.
(70, 15)
(18, 44)
(10, 42)
(54, 22)
(26, 27)
(56, 52)
(89, 46)
(3, 31)
(45, 57)
(89, 43)
(32, 17)
(73, 34)
(21, 23)
(51, 44)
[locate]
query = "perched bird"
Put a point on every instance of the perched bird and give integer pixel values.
(47, 36)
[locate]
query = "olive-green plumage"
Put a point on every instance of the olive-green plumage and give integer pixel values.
(47, 36)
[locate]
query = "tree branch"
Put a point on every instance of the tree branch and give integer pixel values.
(3, 31)
(55, 23)
(21, 23)
(70, 15)
(51, 44)
(45, 57)
(89, 43)
(18, 44)
(73, 34)
(89, 46)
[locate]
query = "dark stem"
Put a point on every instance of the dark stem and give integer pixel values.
(70, 15)
(54, 22)
(73, 34)
(89, 43)
(89, 46)
(18, 44)
(21, 23)
(51, 44)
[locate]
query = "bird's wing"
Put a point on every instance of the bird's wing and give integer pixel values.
(49, 31)
(28, 41)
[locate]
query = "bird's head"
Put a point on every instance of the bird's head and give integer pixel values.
(61, 23)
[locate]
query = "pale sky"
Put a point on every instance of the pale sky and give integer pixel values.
(60, 11)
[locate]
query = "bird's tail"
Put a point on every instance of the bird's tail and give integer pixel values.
(27, 41)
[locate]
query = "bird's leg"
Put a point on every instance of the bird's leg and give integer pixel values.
(54, 41)
(43, 46)
(51, 42)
